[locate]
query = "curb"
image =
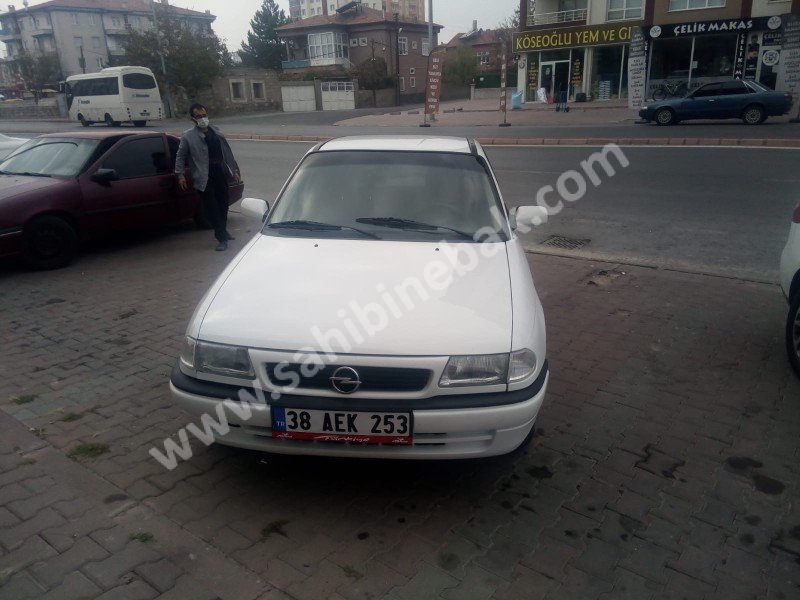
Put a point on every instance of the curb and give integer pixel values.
(722, 142)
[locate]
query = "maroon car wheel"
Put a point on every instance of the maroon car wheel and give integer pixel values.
(50, 242)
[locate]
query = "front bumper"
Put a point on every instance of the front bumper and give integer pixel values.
(646, 114)
(445, 427)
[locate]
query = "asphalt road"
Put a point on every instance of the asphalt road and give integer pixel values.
(721, 211)
(322, 124)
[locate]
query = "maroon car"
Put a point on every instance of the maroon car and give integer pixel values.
(61, 189)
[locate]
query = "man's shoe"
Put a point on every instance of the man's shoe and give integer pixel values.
(221, 247)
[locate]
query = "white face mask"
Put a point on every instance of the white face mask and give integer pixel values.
(202, 122)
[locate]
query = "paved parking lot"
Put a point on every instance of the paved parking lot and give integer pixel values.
(665, 463)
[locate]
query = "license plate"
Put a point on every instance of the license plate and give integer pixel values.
(342, 426)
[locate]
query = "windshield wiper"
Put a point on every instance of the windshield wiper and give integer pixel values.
(410, 225)
(317, 226)
(26, 173)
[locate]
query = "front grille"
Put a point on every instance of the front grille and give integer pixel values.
(373, 379)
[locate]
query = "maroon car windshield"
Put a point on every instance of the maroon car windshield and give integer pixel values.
(50, 157)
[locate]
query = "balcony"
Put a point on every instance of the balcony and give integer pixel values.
(7, 35)
(555, 18)
(295, 64)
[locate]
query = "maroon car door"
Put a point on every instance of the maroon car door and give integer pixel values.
(141, 191)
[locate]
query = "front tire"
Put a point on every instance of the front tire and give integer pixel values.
(665, 116)
(83, 121)
(793, 333)
(754, 115)
(111, 122)
(50, 243)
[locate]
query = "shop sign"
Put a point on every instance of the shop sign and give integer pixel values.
(433, 88)
(771, 38)
(738, 64)
(790, 55)
(718, 26)
(771, 58)
(577, 72)
(573, 37)
(637, 68)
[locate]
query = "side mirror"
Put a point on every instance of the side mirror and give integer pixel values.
(255, 207)
(528, 216)
(104, 175)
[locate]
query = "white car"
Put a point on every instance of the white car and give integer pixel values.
(790, 282)
(9, 144)
(386, 309)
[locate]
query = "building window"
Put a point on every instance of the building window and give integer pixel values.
(694, 4)
(620, 10)
(403, 43)
(95, 42)
(78, 41)
(327, 45)
(412, 81)
(258, 91)
(426, 47)
(484, 58)
(237, 90)
(99, 62)
(116, 22)
(92, 20)
(402, 84)
(73, 18)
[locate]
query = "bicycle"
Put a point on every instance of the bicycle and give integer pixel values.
(677, 89)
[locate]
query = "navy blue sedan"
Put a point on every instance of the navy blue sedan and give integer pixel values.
(734, 99)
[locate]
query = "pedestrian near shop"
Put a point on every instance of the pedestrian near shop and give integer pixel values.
(213, 167)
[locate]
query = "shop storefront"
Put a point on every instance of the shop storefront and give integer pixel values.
(591, 60)
(685, 56)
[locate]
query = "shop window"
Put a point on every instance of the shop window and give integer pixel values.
(713, 58)
(620, 10)
(694, 4)
(608, 72)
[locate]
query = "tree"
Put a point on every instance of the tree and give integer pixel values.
(460, 65)
(39, 71)
(373, 74)
(263, 48)
(508, 26)
(193, 58)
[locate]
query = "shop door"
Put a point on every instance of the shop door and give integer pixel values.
(554, 77)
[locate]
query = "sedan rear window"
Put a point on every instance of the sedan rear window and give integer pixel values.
(399, 195)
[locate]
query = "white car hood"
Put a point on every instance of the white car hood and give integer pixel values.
(290, 293)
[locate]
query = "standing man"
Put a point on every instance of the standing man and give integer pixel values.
(213, 166)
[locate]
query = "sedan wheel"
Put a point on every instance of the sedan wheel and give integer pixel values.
(50, 242)
(753, 115)
(665, 117)
(793, 334)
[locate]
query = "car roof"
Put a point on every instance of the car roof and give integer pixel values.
(99, 134)
(399, 143)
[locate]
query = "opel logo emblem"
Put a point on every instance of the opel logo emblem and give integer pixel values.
(345, 380)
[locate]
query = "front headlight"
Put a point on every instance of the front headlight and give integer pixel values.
(644, 107)
(187, 352)
(219, 359)
(522, 365)
(487, 369)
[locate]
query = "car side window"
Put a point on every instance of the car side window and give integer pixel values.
(711, 89)
(145, 157)
(730, 88)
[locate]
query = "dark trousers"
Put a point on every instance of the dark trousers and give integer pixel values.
(215, 203)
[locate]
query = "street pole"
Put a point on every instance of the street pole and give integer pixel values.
(397, 57)
(430, 41)
(167, 95)
(82, 61)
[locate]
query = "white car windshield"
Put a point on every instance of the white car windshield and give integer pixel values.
(50, 157)
(397, 195)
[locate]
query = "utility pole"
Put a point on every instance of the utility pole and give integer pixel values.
(397, 57)
(167, 95)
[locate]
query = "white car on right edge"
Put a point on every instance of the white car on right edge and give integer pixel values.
(790, 282)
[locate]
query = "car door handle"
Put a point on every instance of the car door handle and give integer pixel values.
(711, 100)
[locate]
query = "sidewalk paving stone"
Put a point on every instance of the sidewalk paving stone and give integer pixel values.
(626, 491)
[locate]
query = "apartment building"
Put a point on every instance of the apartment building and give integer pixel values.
(340, 41)
(86, 35)
(409, 10)
(584, 46)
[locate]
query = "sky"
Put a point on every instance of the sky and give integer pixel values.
(233, 16)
